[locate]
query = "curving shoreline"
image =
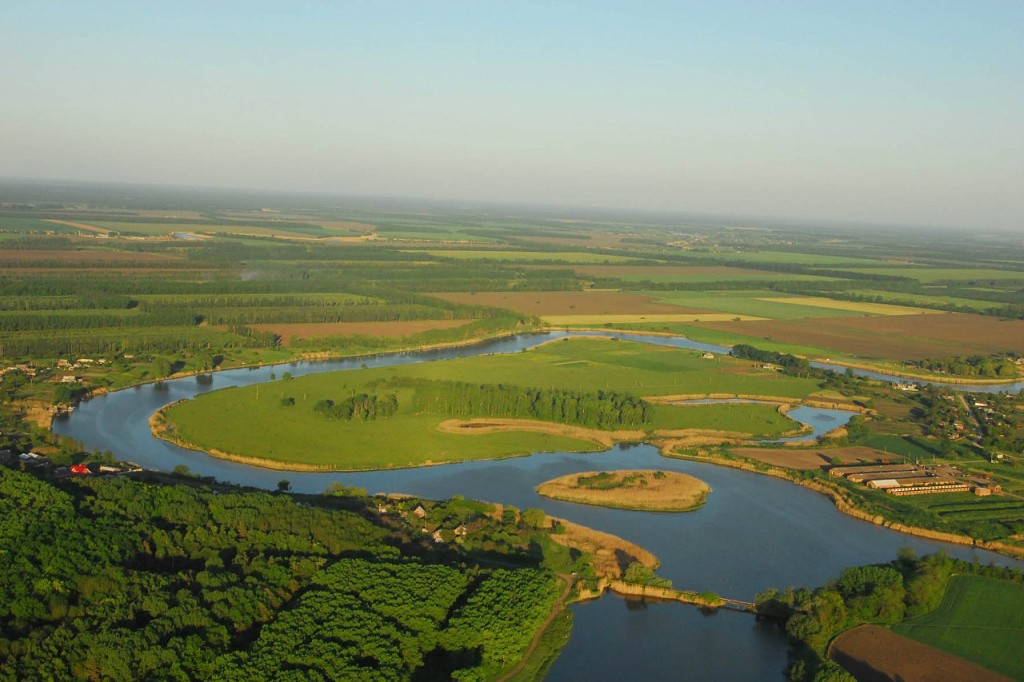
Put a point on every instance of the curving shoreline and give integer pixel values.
(848, 508)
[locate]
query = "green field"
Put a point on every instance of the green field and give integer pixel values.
(223, 420)
(980, 619)
(906, 298)
(34, 225)
(711, 278)
(790, 257)
(926, 275)
(530, 256)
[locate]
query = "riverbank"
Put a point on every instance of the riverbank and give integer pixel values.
(846, 506)
(633, 489)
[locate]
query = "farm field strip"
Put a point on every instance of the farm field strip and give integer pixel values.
(937, 299)
(83, 255)
(764, 304)
(527, 256)
(927, 275)
(853, 306)
(890, 337)
(308, 330)
(686, 273)
(575, 320)
(868, 264)
(80, 226)
(566, 302)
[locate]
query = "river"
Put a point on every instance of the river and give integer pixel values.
(754, 532)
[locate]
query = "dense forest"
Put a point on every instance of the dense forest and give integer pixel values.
(118, 579)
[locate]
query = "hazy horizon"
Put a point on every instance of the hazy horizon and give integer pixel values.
(908, 114)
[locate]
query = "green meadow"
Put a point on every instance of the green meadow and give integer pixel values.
(295, 433)
(980, 619)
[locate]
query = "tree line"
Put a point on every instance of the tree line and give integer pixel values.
(361, 407)
(784, 360)
(601, 410)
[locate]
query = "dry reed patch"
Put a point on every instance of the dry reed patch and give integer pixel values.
(566, 302)
(309, 330)
(899, 337)
(631, 489)
(873, 654)
(481, 425)
(611, 554)
(563, 320)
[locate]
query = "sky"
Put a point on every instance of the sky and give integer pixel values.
(881, 112)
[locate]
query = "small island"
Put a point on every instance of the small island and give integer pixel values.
(636, 489)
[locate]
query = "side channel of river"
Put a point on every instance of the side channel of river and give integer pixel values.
(754, 532)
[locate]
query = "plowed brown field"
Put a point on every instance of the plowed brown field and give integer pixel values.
(873, 654)
(899, 337)
(816, 458)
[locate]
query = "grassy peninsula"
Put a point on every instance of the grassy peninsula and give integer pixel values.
(637, 489)
(401, 416)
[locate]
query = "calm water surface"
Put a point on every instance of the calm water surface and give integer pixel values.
(754, 532)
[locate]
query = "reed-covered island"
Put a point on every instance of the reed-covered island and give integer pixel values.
(638, 489)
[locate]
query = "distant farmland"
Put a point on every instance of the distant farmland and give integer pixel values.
(901, 337)
(313, 330)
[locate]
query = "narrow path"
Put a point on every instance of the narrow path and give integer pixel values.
(555, 610)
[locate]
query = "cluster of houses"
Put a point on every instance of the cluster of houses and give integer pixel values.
(907, 479)
(26, 368)
(418, 516)
(37, 460)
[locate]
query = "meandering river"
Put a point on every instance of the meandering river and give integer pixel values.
(754, 531)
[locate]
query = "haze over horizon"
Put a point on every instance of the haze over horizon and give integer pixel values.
(909, 113)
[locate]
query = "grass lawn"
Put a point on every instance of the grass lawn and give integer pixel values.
(223, 420)
(980, 619)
